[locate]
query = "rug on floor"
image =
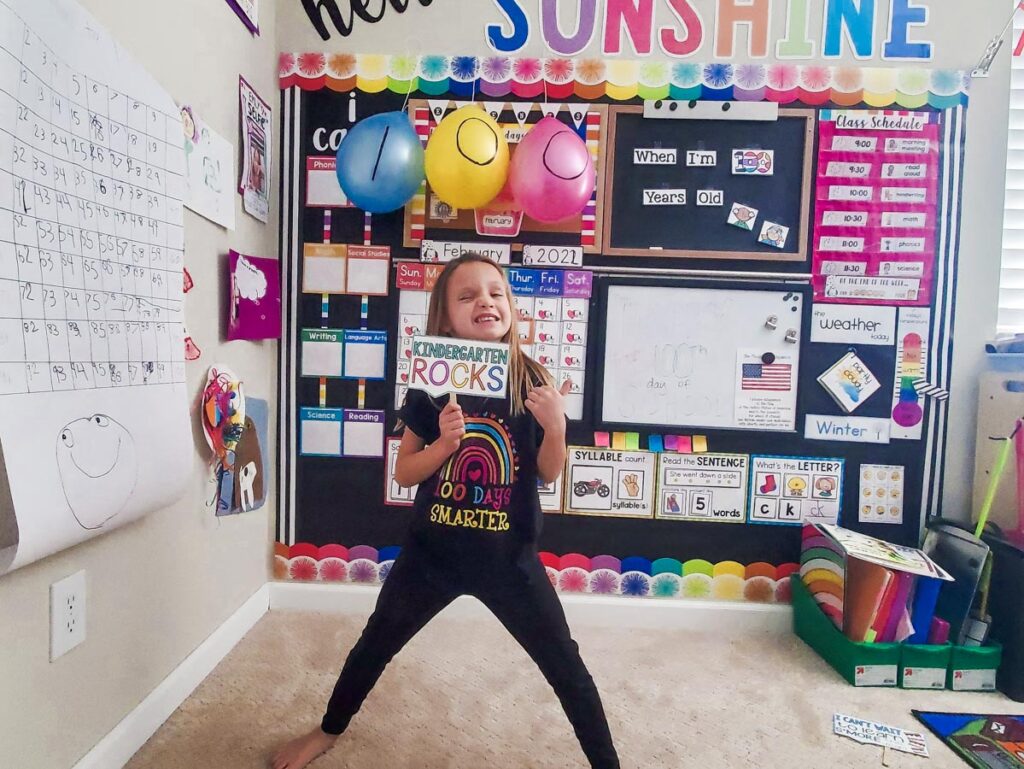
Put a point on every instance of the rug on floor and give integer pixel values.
(983, 741)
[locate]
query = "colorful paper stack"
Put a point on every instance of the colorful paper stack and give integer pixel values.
(872, 590)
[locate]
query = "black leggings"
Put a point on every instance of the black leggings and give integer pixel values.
(522, 598)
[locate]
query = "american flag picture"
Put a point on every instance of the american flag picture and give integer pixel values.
(767, 376)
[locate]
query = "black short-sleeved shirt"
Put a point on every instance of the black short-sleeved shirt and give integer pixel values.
(483, 500)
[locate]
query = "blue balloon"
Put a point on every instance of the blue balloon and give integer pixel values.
(380, 162)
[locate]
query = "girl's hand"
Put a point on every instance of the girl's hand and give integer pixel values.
(547, 406)
(452, 426)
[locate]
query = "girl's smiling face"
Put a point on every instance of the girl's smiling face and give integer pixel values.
(478, 306)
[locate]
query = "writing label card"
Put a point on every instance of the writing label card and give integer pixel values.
(322, 352)
(881, 494)
(710, 198)
(550, 494)
(368, 268)
(393, 493)
(444, 251)
(320, 432)
(853, 324)
(849, 381)
(820, 427)
(654, 156)
(363, 433)
(703, 487)
(322, 188)
(610, 482)
(701, 158)
(662, 197)
(324, 268)
(795, 490)
(365, 352)
(753, 162)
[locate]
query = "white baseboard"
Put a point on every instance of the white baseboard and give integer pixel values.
(725, 617)
(124, 740)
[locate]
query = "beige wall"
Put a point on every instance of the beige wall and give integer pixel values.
(158, 587)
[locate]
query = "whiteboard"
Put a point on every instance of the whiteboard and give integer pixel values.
(701, 357)
(94, 425)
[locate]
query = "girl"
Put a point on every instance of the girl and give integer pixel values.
(477, 517)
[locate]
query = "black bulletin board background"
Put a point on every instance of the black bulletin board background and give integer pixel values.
(340, 501)
(695, 229)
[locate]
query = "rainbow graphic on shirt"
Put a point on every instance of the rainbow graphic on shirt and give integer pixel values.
(486, 456)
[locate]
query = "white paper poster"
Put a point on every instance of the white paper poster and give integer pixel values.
(94, 418)
(766, 389)
(210, 170)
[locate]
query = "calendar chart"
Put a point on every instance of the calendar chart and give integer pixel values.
(93, 412)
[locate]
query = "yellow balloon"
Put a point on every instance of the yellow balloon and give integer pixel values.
(466, 159)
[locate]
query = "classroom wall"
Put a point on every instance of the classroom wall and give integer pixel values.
(958, 33)
(158, 587)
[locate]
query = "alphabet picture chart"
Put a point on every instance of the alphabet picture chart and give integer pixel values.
(91, 258)
(795, 490)
(877, 197)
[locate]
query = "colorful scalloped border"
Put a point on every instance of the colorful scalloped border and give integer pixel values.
(572, 573)
(490, 77)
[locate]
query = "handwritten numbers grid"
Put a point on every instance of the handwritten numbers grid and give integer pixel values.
(91, 240)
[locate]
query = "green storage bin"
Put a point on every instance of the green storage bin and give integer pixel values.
(924, 666)
(861, 664)
(973, 668)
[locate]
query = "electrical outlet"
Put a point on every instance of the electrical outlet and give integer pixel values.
(67, 614)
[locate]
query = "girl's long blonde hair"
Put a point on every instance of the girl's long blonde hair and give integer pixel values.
(523, 372)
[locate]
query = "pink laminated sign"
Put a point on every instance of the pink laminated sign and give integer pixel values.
(875, 230)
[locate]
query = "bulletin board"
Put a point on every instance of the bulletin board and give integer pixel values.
(811, 459)
(779, 194)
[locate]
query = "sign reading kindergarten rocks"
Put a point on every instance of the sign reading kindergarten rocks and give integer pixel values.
(443, 365)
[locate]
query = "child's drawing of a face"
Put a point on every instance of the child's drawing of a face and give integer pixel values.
(775, 234)
(188, 124)
(743, 214)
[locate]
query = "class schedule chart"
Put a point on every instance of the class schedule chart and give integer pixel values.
(91, 239)
(877, 201)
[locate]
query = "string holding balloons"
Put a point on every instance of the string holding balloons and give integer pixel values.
(222, 414)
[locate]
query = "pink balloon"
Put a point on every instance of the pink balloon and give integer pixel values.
(551, 174)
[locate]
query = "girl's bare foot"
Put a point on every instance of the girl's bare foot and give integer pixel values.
(300, 751)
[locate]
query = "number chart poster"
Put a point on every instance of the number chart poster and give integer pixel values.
(94, 423)
(877, 192)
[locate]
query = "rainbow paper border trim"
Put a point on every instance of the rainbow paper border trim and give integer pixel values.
(571, 573)
(489, 77)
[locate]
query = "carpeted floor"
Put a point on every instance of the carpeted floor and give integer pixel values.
(464, 695)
